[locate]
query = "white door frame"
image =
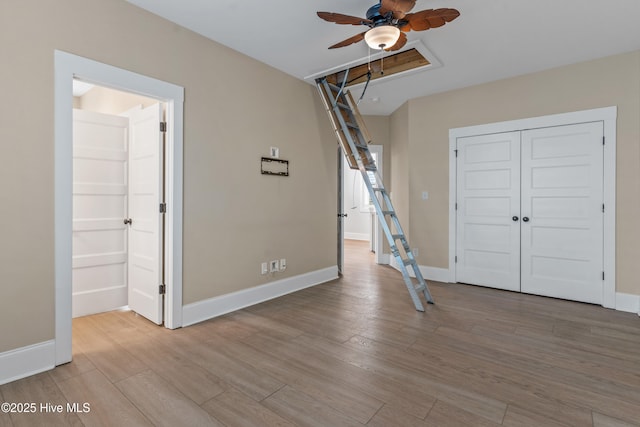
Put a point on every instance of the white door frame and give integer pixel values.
(67, 67)
(608, 116)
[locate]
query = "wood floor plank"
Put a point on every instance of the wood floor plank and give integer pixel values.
(600, 420)
(340, 396)
(305, 411)
(390, 416)
(109, 407)
(40, 390)
(354, 351)
(78, 365)
(392, 392)
(191, 379)
(5, 419)
(431, 381)
(234, 408)
(444, 415)
(107, 355)
(162, 403)
(210, 356)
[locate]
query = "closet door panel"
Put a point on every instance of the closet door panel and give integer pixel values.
(562, 226)
(488, 187)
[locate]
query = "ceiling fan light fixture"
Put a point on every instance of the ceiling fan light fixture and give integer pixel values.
(382, 37)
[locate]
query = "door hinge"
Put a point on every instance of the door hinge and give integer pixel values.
(163, 126)
(603, 275)
(163, 208)
(162, 289)
(603, 138)
(456, 151)
(456, 259)
(456, 205)
(603, 208)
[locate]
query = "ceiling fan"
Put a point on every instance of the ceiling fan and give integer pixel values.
(388, 21)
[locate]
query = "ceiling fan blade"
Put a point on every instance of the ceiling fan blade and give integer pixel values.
(350, 40)
(399, 44)
(430, 18)
(398, 7)
(339, 18)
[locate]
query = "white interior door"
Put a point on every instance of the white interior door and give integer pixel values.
(529, 213)
(145, 229)
(562, 228)
(99, 244)
(488, 228)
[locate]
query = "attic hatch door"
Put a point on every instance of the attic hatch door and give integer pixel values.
(145, 228)
(393, 64)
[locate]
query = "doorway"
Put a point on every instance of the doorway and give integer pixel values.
(532, 205)
(357, 220)
(68, 67)
(118, 184)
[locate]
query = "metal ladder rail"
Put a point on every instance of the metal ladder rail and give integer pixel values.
(338, 105)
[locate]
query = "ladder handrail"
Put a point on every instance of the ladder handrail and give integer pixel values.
(342, 102)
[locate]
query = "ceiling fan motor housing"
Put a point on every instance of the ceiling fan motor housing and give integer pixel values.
(377, 19)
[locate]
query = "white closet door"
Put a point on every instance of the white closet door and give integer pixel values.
(488, 236)
(99, 251)
(145, 195)
(562, 193)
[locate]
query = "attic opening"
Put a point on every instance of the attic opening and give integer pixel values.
(410, 59)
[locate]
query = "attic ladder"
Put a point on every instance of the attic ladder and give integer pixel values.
(354, 139)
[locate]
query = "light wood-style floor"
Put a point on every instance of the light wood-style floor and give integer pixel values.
(353, 352)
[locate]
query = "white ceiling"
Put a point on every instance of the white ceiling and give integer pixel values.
(491, 40)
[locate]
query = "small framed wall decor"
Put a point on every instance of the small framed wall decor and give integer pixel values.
(269, 166)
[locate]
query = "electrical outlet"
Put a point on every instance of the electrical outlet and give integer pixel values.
(265, 268)
(415, 251)
(283, 264)
(273, 266)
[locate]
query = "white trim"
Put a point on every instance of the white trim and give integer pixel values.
(607, 115)
(217, 306)
(66, 68)
(627, 302)
(356, 236)
(435, 274)
(26, 361)
(385, 259)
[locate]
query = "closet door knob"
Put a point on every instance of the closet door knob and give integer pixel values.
(515, 218)
(127, 221)
(525, 218)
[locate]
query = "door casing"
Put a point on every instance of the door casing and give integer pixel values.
(67, 67)
(607, 116)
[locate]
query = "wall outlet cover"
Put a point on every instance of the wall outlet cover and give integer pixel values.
(274, 266)
(283, 264)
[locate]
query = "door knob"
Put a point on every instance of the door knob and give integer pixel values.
(525, 218)
(515, 218)
(343, 215)
(127, 221)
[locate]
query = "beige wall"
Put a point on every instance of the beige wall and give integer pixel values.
(399, 131)
(600, 83)
(235, 109)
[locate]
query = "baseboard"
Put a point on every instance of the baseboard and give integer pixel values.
(385, 259)
(628, 302)
(26, 361)
(356, 236)
(436, 274)
(214, 307)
